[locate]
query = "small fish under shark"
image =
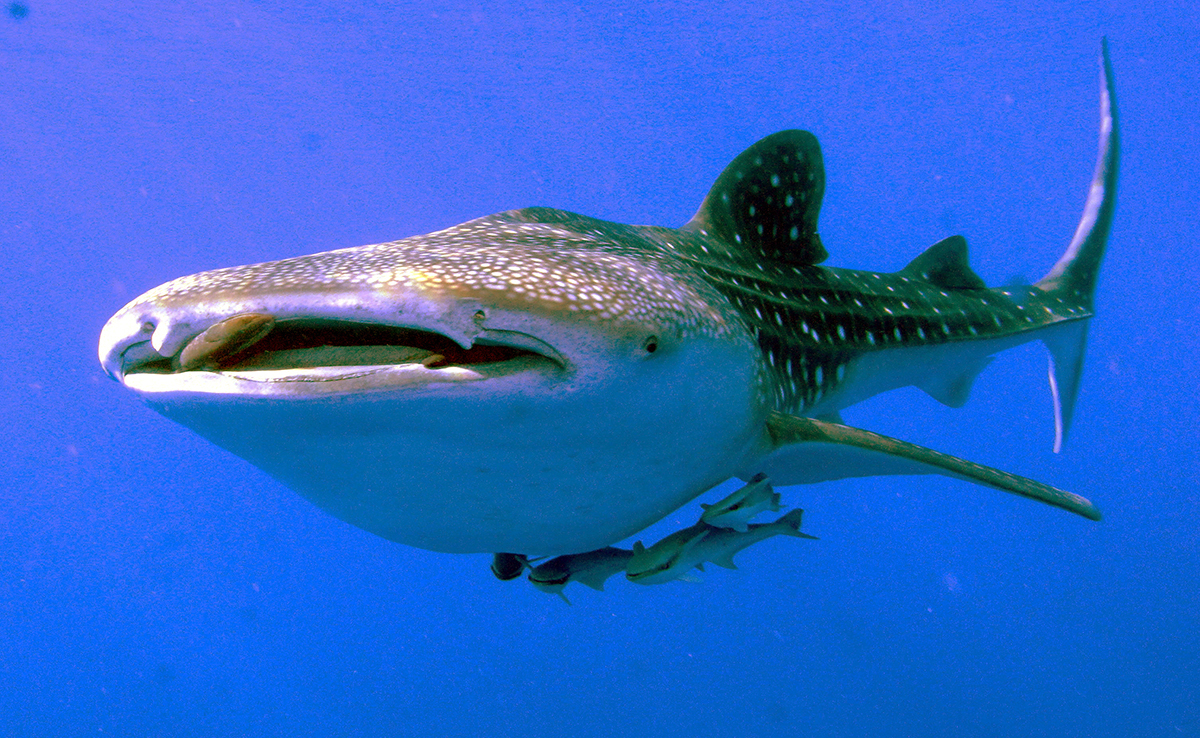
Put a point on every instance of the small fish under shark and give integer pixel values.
(592, 568)
(670, 559)
(543, 383)
(676, 555)
(742, 505)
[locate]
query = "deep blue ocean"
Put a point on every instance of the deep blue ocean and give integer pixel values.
(152, 584)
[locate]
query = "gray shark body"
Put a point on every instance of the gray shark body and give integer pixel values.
(542, 382)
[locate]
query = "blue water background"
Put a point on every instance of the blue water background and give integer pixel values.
(152, 584)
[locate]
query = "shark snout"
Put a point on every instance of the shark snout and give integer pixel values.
(142, 333)
(127, 335)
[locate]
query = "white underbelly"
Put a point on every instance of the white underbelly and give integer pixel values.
(545, 474)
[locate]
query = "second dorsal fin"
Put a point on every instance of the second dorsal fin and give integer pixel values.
(767, 200)
(945, 264)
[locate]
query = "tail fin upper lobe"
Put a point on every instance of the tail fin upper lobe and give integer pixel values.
(1073, 278)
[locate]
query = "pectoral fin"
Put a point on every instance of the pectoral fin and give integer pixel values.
(595, 580)
(808, 450)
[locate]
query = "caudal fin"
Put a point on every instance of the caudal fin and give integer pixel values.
(790, 524)
(1073, 279)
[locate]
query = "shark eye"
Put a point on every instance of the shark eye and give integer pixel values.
(650, 345)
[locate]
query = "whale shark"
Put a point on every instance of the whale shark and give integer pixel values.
(545, 383)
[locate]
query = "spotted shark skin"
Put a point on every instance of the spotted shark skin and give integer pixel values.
(579, 379)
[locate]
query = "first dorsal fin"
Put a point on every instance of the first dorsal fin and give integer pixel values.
(767, 200)
(944, 264)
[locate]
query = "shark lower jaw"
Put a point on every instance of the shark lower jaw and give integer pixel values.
(318, 381)
(553, 584)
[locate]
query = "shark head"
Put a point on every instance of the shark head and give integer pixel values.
(464, 390)
(517, 284)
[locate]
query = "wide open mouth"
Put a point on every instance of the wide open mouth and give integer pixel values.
(315, 343)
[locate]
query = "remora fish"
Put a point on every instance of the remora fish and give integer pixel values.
(743, 505)
(542, 382)
(592, 568)
(676, 555)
